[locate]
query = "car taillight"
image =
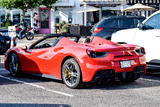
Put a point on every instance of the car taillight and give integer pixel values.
(97, 29)
(93, 54)
(140, 50)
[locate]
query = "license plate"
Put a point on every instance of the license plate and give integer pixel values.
(125, 64)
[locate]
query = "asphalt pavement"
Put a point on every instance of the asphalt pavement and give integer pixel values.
(31, 91)
(41, 92)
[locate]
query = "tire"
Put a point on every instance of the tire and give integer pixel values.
(71, 73)
(15, 40)
(29, 36)
(14, 64)
(129, 77)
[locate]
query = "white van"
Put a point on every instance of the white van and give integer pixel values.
(147, 34)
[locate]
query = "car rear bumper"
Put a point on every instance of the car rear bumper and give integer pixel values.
(112, 74)
(102, 68)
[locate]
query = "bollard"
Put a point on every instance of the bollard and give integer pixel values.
(12, 34)
(12, 42)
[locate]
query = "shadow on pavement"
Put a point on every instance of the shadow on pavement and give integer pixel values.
(25, 78)
(145, 81)
(32, 105)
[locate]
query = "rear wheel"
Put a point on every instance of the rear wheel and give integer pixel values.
(14, 64)
(29, 36)
(71, 73)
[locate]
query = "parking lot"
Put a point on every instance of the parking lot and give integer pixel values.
(33, 91)
(27, 90)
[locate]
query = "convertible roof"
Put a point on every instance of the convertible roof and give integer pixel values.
(63, 35)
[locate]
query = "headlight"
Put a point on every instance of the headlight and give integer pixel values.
(7, 42)
(93, 54)
(140, 51)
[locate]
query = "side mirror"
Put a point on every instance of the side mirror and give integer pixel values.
(25, 48)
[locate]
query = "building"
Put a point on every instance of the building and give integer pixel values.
(64, 10)
(152, 3)
(67, 10)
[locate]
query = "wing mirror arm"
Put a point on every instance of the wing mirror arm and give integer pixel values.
(26, 49)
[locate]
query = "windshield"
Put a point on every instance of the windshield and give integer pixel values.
(153, 22)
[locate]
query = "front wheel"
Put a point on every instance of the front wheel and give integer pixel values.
(14, 64)
(29, 36)
(71, 73)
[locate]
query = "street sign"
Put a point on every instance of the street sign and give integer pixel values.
(12, 31)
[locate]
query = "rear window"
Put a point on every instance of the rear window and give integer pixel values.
(126, 23)
(122, 22)
(129, 22)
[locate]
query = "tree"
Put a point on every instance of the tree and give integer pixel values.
(25, 4)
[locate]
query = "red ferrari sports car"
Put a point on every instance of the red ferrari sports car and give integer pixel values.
(65, 57)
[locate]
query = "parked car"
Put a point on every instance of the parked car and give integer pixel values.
(147, 34)
(5, 41)
(64, 57)
(106, 27)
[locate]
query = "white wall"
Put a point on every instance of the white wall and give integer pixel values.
(77, 18)
(52, 21)
(63, 14)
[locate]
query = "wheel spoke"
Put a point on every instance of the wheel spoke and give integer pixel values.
(72, 80)
(74, 74)
(67, 67)
(67, 77)
(71, 68)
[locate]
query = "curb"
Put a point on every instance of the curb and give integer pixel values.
(2, 57)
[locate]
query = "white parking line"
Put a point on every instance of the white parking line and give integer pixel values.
(1, 58)
(37, 86)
